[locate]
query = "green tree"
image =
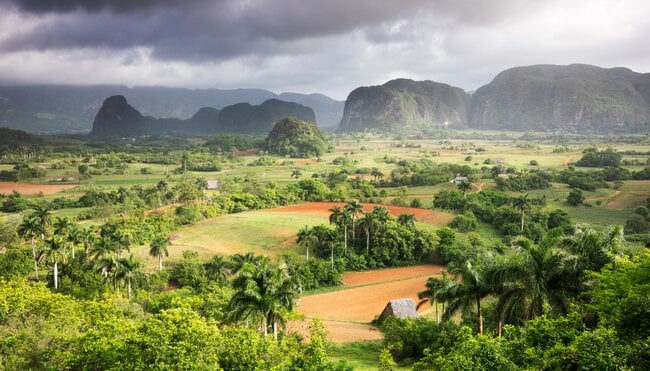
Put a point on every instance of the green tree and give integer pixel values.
(217, 269)
(522, 203)
(469, 288)
(44, 218)
(575, 197)
(354, 209)
(54, 251)
(464, 187)
(340, 218)
(129, 271)
(29, 228)
(407, 219)
(536, 277)
(158, 249)
(264, 293)
(306, 238)
(368, 222)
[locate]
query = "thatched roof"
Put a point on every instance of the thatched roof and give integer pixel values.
(400, 308)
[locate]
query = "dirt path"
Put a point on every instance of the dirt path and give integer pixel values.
(32, 189)
(567, 161)
(604, 197)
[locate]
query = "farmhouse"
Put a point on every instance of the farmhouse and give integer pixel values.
(213, 184)
(400, 308)
(459, 179)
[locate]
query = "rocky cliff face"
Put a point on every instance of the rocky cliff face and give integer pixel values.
(573, 98)
(117, 118)
(404, 105)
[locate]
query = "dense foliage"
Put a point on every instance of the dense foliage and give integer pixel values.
(295, 138)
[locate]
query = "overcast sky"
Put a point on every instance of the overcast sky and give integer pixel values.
(326, 46)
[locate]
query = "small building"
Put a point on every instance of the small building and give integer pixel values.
(459, 179)
(400, 308)
(213, 184)
(504, 176)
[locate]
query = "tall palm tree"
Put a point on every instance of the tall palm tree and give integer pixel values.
(75, 237)
(30, 228)
(128, 270)
(44, 218)
(464, 187)
(469, 288)
(120, 240)
(368, 222)
(88, 237)
(521, 203)
(434, 286)
(54, 252)
(263, 293)
(340, 218)
(354, 209)
(158, 249)
(407, 219)
(307, 238)
(537, 276)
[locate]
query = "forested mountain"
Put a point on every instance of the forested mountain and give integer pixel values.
(117, 117)
(404, 105)
(574, 98)
(68, 109)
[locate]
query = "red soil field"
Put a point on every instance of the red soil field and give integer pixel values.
(342, 310)
(31, 189)
(391, 274)
(422, 215)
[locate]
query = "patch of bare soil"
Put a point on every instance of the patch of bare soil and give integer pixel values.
(32, 189)
(391, 274)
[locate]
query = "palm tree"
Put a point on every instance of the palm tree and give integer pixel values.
(263, 293)
(54, 251)
(239, 261)
(44, 219)
(521, 203)
(62, 226)
(217, 268)
(75, 237)
(158, 248)
(296, 173)
(464, 187)
(354, 208)
(468, 290)
(306, 238)
(594, 249)
(128, 269)
(407, 219)
(368, 222)
(30, 228)
(340, 218)
(434, 287)
(88, 237)
(537, 275)
(121, 241)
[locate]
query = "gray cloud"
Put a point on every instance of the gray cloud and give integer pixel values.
(329, 46)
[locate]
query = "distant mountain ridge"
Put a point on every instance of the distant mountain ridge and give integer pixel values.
(117, 118)
(71, 109)
(573, 98)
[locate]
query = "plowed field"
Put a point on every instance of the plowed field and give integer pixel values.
(346, 312)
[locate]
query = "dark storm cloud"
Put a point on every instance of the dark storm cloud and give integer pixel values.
(62, 6)
(198, 30)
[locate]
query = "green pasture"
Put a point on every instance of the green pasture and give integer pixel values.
(264, 232)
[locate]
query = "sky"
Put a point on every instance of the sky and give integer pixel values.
(310, 46)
